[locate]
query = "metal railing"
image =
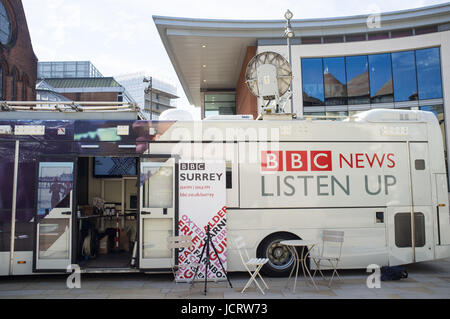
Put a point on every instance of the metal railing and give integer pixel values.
(309, 118)
(350, 118)
(71, 106)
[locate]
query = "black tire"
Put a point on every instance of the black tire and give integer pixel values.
(280, 258)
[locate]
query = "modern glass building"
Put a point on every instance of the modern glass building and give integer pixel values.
(67, 69)
(162, 93)
(348, 84)
(340, 66)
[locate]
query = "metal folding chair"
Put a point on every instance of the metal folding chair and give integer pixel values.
(330, 251)
(177, 243)
(253, 265)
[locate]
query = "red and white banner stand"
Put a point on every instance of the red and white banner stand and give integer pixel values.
(202, 202)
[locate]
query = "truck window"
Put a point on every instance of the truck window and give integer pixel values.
(403, 229)
(229, 174)
(420, 165)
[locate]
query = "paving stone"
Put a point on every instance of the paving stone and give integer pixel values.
(11, 286)
(135, 296)
(419, 289)
(21, 292)
(93, 296)
(59, 296)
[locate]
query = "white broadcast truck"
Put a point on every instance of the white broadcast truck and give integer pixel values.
(379, 176)
(367, 176)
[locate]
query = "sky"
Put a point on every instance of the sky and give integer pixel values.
(120, 36)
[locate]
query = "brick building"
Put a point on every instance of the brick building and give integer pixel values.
(18, 63)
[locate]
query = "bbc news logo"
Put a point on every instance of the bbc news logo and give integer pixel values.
(296, 161)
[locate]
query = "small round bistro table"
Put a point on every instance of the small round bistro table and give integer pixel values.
(307, 245)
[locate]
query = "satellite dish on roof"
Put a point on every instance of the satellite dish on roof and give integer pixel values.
(269, 77)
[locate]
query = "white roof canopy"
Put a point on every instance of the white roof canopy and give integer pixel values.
(207, 54)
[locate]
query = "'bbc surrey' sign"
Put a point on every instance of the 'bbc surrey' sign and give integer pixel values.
(202, 200)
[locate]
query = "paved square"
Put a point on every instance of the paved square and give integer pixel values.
(426, 280)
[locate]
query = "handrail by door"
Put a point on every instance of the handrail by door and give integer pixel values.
(13, 209)
(413, 230)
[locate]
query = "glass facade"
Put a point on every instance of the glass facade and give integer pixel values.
(381, 89)
(220, 104)
(70, 69)
(313, 93)
(394, 78)
(335, 81)
(429, 73)
(405, 80)
(341, 86)
(338, 115)
(357, 80)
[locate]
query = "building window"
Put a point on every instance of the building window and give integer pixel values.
(429, 73)
(313, 93)
(338, 115)
(419, 164)
(318, 114)
(426, 30)
(2, 81)
(355, 37)
(25, 85)
(220, 104)
(401, 33)
(405, 80)
(335, 81)
(378, 36)
(5, 25)
(229, 175)
(13, 86)
(311, 40)
(381, 89)
(357, 80)
(355, 112)
(333, 39)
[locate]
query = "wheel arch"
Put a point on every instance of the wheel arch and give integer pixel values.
(274, 267)
(276, 234)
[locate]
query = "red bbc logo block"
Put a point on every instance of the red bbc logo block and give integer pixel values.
(296, 161)
(272, 161)
(321, 161)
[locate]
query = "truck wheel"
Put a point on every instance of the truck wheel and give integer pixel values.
(280, 258)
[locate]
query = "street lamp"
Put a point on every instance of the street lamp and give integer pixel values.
(148, 90)
(288, 34)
